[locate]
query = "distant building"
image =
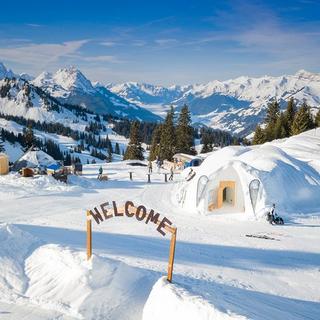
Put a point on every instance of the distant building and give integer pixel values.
(4, 164)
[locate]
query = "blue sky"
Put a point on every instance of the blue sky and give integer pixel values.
(161, 42)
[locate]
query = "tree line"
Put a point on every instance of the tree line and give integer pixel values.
(27, 140)
(281, 124)
(170, 137)
(211, 137)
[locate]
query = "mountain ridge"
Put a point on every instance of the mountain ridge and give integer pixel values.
(235, 105)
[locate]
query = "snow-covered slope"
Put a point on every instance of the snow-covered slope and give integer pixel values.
(236, 105)
(20, 98)
(70, 86)
(5, 73)
(219, 272)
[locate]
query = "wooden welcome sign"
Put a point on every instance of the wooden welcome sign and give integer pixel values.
(107, 211)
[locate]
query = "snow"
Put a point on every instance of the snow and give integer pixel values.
(5, 73)
(169, 301)
(62, 82)
(236, 105)
(57, 278)
(219, 272)
(14, 151)
(36, 158)
(287, 169)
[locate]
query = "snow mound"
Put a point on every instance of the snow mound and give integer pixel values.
(60, 279)
(14, 185)
(15, 245)
(170, 301)
(63, 280)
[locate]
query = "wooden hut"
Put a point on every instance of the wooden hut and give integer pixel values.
(4, 164)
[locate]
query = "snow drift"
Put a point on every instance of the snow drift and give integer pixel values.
(287, 171)
(169, 301)
(58, 278)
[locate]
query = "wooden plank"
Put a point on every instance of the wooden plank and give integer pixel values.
(89, 236)
(171, 254)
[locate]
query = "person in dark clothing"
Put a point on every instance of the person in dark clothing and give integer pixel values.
(271, 213)
(100, 172)
(171, 174)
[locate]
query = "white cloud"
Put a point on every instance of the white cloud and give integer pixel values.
(108, 43)
(40, 55)
(164, 42)
(104, 58)
(139, 43)
(34, 25)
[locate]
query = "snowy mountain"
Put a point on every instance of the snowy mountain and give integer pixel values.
(236, 105)
(6, 73)
(70, 86)
(66, 126)
(20, 98)
(144, 94)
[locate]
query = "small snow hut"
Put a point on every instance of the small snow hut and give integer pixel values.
(248, 180)
(4, 164)
(34, 159)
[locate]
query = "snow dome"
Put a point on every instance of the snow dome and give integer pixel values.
(250, 179)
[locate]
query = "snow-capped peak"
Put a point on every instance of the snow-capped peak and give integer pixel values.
(26, 76)
(64, 82)
(305, 74)
(5, 73)
(71, 78)
(44, 78)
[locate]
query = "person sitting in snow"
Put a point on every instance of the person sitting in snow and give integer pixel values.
(100, 172)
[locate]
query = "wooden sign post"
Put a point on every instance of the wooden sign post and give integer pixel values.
(171, 254)
(89, 236)
(141, 214)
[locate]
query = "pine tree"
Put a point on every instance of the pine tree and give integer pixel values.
(134, 149)
(272, 112)
(109, 156)
(184, 132)
(259, 136)
(302, 120)
(280, 129)
(1, 141)
(155, 143)
(117, 148)
(167, 139)
(289, 114)
(67, 160)
(317, 119)
(271, 119)
(28, 138)
(207, 144)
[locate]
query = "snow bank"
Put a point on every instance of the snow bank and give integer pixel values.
(13, 186)
(58, 278)
(170, 301)
(15, 245)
